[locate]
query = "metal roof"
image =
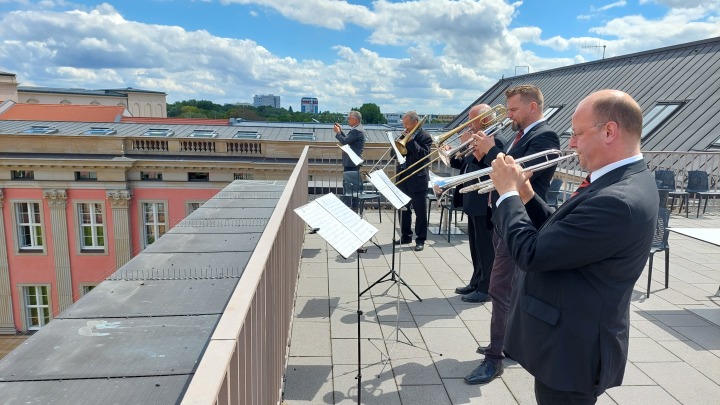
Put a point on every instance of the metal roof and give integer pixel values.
(687, 74)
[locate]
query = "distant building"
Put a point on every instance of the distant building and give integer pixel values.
(309, 105)
(393, 118)
(140, 103)
(266, 99)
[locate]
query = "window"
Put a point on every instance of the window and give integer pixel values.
(29, 226)
(92, 230)
(198, 176)
(153, 222)
(194, 205)
(302, 136)
(23, 175)
(151, 176)
(100, 131)
(203, 133)
(246, 135)
(159, 132)
(86, 176)
(244, 176)
(550, 111)
(37, 306)
(657, 115)
(40, 129)
(86, 288)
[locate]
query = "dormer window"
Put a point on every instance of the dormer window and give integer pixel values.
(159, 132)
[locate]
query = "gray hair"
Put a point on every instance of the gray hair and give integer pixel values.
(356, 114)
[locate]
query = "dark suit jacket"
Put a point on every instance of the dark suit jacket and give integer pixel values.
(417, 148)
(356, 139)
(472, 203)
(541, 137)
(569, 318)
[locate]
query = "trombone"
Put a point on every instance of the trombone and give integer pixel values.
(487, 186)
(497, 114)
(458, 152)
(400, 145)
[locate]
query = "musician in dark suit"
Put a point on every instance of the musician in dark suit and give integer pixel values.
(415, 186)
(355, 138)
(525, 110)
(476, 207)
(569, 322)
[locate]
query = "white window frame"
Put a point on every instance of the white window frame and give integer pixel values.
(93, 225)
(84, 288)
(35, 246)
(190, 205)
(27, 307)
(159, 228)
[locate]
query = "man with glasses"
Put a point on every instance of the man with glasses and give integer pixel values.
(525, 110)
(355, 138)
(569, 322)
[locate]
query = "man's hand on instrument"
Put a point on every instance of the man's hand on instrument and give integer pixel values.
(507, 176)
(483, 143)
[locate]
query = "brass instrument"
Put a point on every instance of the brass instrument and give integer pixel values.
(458, 152)
(488, 186)
(496, 114)
(400, 145)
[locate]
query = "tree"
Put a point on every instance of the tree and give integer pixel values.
(371, 114)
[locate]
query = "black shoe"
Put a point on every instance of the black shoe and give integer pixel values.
(476, 296)
(403, 241)
(464, 290)
(419, 247)
(485, 372)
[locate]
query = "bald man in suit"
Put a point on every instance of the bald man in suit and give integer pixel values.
(570, 317)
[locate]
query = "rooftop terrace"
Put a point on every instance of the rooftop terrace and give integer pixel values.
(674, 353)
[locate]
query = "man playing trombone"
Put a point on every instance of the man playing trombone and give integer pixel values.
(414, 184)
(476, 207)
(525, 110)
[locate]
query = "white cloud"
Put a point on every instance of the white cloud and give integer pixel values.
(621, 3)
(452, 51)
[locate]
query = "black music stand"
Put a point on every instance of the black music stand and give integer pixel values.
(346, 232)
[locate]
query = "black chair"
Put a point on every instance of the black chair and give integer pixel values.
(449, 204)
(659, 244)
(355, 194)
(699, 187)
(665, 180)
(553, 194)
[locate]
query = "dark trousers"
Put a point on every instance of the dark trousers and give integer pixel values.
(549, 396)
(482, 252)
(501, 280)
(418, 203)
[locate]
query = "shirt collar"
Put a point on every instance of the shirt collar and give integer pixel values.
(612, 166)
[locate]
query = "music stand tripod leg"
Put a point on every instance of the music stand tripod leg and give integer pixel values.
(394, 276)
(359, 319)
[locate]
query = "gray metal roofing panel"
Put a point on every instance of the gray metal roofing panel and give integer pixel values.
(155, 298)
(56, 90)
(183, 265)
(156, 390)
(118, 347)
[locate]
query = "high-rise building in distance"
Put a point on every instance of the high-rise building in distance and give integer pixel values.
(266, 99)
(309, 105)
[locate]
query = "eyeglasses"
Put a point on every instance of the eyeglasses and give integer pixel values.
(574, 134)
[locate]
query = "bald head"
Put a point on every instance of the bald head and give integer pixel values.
(477, 110)
(617, 106)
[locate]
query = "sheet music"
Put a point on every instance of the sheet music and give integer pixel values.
(384, 186)
(353, 156)
(400, 158)
(341, 227)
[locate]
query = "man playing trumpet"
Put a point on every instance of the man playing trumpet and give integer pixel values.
(525, 110)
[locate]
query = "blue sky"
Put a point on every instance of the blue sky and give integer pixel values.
(432, 56)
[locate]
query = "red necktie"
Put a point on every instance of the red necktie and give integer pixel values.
(582, 185)
(517, 137)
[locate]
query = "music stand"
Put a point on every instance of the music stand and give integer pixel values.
(398, 199)
(346, 232)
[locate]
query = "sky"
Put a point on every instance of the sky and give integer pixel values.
(431, 56)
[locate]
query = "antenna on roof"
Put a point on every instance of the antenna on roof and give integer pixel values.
(597, 46)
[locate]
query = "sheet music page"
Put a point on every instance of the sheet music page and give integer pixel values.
(400, 158)
(353, 156)
(384, 186)
(340, 226)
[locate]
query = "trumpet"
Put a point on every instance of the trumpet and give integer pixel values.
(497, 114)
(487, 186)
